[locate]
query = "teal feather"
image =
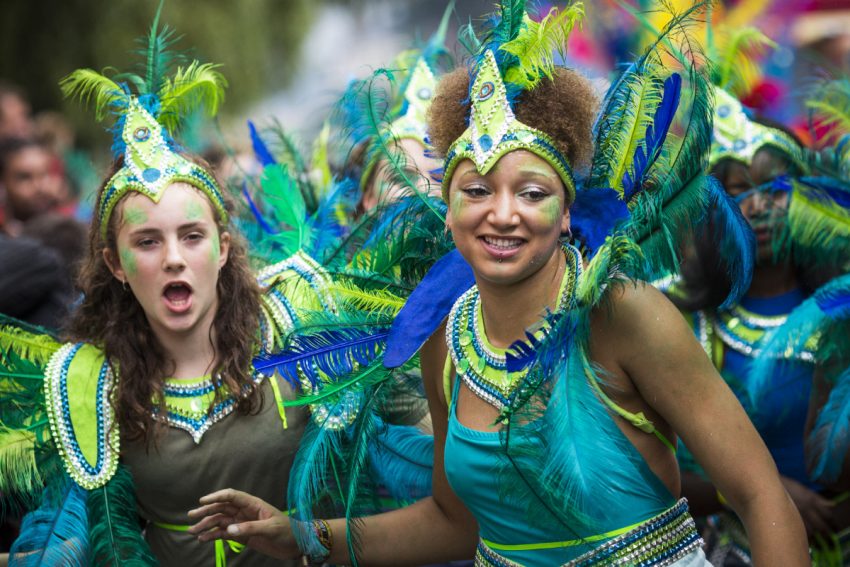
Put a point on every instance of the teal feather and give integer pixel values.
(287, 151)
(312, 484)
(115, 534)
(56, 533)
(829, 441)
(402, 458)
(559, 435)
(794, 336)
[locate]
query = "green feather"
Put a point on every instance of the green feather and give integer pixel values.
(19, 474)
(537, 44)
(287, 208)
(373, 301)
(115, 535)
(736, 69)
(88, 85)
(627, 117)
(32, 344)
(197, 86)
(157, 54)
(830, 102)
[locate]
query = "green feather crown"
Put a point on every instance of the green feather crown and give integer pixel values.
(147, 119)
(734, 74)
(514, 57)
(738, 137)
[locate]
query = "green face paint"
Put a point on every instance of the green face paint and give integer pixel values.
(458, 202)
(215, 252)
(128, 261)
(194, 211)
(135, 216)
(551, 210)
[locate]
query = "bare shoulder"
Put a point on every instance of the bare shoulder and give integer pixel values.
(633, 304)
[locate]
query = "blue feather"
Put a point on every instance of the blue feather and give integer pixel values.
(325, 224)
(427, 307)
(831, 191)
(262, 152)
(829, 440)
(256, 212)
(402, 457)
(594, 215)
(835, 303)
(656, 133)
(332, 353)
(56, 533)
(735, 239)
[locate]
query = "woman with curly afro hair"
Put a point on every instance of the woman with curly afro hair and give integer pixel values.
(556, 387)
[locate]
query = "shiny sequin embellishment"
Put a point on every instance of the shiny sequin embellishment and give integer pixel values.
(57, 398)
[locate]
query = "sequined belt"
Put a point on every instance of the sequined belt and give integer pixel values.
(661, 540)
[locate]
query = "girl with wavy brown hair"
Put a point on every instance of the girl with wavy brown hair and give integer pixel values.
(153, 400)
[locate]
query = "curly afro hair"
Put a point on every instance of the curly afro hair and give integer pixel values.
(563, 107)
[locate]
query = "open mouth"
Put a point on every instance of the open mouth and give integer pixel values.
(178, 296)
(500, 243)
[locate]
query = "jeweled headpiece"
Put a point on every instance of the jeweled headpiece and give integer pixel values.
(407, 116)
(734, 75)
(738, 137)
(142, 133)
(511, 62)
(494, 131)
(417, 99)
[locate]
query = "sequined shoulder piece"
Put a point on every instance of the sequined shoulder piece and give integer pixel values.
(189, 405)
(78, 387)
(291, 287)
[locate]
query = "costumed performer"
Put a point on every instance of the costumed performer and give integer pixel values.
(556, 445)
(154, 400)
(755, 162)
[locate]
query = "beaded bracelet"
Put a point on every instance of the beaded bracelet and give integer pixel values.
(325, 536)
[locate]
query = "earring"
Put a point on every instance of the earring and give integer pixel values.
(446, 230)
(124, 285)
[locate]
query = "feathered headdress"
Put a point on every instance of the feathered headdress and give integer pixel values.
(515, 56)
(148, 118)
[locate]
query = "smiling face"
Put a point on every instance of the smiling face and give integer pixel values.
(507, 223)
(170, 254)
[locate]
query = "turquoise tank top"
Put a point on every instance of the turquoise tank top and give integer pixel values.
(475, 461)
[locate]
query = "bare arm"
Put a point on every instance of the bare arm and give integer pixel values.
(653, 347)
(438, 528)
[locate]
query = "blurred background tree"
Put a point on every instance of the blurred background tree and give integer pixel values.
(257, 41)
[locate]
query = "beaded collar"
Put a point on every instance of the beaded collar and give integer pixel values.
(293, 285)
(742, 331)
(481, 366)
(188, 403)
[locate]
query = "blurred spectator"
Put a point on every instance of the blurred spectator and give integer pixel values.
(29, 183)
(15, 119)
(33, 283)
(64, 235)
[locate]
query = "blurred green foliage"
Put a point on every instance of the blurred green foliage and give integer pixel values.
(41, 41)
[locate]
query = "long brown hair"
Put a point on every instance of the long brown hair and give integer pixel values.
(111, 318)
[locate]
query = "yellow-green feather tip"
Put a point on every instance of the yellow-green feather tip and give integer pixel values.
(88, 85)
(199, 85)
(537, 43)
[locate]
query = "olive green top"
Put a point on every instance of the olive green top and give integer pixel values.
(253, 453)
